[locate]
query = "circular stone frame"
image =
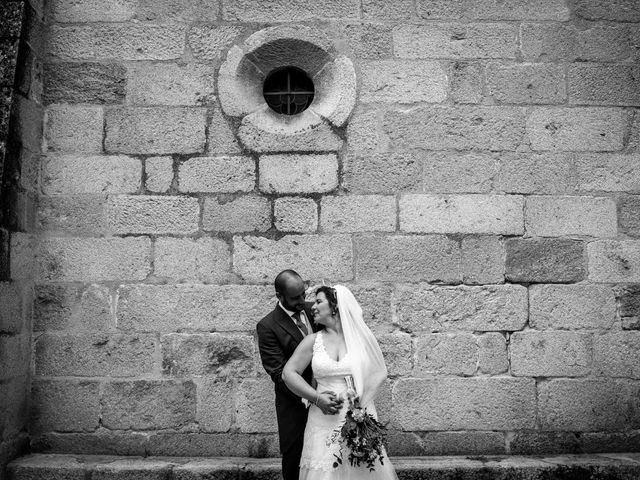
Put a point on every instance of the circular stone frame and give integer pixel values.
(241, 79)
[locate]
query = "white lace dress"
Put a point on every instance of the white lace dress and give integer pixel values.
(317, 458)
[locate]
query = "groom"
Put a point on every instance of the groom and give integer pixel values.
(279, 333)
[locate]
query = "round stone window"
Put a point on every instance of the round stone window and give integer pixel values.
(288, 90)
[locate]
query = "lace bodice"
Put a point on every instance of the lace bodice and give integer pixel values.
(324, 366)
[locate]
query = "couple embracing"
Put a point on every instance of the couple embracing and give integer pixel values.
(312, 351)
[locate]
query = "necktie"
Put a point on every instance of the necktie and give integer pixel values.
(300, 323)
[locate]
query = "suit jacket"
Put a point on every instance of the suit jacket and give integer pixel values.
(278, 337)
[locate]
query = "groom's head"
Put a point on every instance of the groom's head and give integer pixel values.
(290, 290)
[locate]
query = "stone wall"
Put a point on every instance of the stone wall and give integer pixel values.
(21, 115)
(480, 201)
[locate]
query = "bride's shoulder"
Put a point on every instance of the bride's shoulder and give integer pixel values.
(308, 341)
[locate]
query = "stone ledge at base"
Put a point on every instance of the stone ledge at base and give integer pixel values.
(603, 466)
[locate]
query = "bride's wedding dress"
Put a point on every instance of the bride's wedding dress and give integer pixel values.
(318, 452)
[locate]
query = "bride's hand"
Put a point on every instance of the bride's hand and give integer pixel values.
(328, 402)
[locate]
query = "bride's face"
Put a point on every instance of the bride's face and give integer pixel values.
(321, 309)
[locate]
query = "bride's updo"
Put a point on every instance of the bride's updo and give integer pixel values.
(330, 293)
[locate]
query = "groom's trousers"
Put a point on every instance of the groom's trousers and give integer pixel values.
(291, 460)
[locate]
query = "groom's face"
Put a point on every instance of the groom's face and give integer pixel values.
(293, 295)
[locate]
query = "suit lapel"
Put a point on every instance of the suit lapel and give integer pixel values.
(287, 324)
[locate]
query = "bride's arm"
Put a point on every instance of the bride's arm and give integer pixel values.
(292, 377)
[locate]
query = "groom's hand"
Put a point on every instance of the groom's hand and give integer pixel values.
(329, 402)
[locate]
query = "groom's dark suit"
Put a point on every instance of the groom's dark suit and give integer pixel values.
(278, 337)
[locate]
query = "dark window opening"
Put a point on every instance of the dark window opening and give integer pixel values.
(288, 90)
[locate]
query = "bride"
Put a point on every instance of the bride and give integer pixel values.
(345, 346)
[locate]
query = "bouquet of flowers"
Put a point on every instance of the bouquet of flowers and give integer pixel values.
(362, 435)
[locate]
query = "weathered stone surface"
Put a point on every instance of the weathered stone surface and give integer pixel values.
(571, 307)
(496, 214)
(256, 406)
(207, 354)
(617, 354)
(446, 354)
(249, 213)
(295, 214)
(152, 214)
(628, 218)
(215, 409)
(382, 172)
(9, 56)
(465, 403)
(69, 11)
(466, 79)
(397, 350)
(364, 133)
(401, 10)
(358, 213)
(490, 10)
(206, 260)
(492, 353)
(608, 172)
(536, 173)
(399, 257)
(93, 259)
(171, 308)
(550, 354)
(155, 130)
(456, 40)
(609, 441)
(576, 129)
(300, 10)
(73, 129)
(71, 214)
(259, 259)
(541, 443)
(263, 131)
(92, 355)
(132, 468)
(71, 174)
(22, 263)
(14, 356)
(628, 300)
(12, 308)
(220, 138)
(552, 42)
(72, 308)
(100, 442)
(118, 41)
(456, 127)
(211, 445)
(158, 174)
(99, 83)
(604, 84)
(526, 84)
(616, 10)
(604, 405)
(446, 172)
(217, 174)
(426, 308)
(401, 81)
(148, 404)
(59, 467)
(370, 40)
(208, 42)
(305, 173)
(614, 261)
(170, 84)
(483, 259)
(547, 216)
(65, 405)
(544, 260)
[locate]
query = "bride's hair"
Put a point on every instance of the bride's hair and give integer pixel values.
(330, 293)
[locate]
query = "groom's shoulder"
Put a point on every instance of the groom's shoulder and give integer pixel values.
(268, 318)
